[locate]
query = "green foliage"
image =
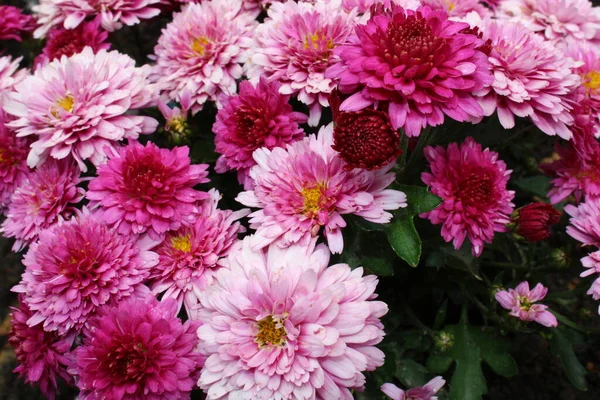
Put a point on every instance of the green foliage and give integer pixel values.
(562, 347)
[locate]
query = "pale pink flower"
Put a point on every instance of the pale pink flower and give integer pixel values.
(82, 106)
(280, 324)
(458, 9)
(10, 75)
(520, 303)
(592, 263)
(305, 187)
(585, 221)
(426, 392)
(295, 45)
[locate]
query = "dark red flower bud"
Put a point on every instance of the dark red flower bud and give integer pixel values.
(532, 222)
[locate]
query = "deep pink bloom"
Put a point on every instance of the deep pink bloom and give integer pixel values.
(201, 50)
(44, 197)
(531, 79)
(148, 189)
(585, 221)
(305, 187)
(279, 323)
(80, 106)
(14, 24)
(41, 355)
(458, 8)
(295, 46)
(67, 42)
(520, 303)
(426, 392)
(438, 70)
(190, 256)
(13, 161)
(77, 266)
(472, 183)
(138, 350)
(258, 117)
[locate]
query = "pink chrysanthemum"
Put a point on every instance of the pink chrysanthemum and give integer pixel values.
(81, 106)
(472, 183)
(520, 303)
(592, 263)
(190, 256)
(13, 164)
(305, 187)
(458, 8)
(562, 22)
(138, 350)
(41, 355)
(10, 75)
(585, 222)
(44, 197)
(112, 13)
(589, 71)
(66, 42)
(425, 392)
(419, 63)
(76, 267)
(148, 189)
(295, 47)
(201, 50)
(258, 117)
(14, 24)
(279, 324)
(531, 79)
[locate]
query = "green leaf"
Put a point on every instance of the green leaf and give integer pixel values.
(561, 345)
(404, 239)
(410, 372)
(493, 352)
(438, 363)
(419, 200)
(537, 185)
(440, 317)
(369, 251)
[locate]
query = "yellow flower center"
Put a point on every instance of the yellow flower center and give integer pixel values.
(178, 125)
(451, 5)
(271, 331)
(2, 158)
(199, 45)
(66, 103)
(591, 80)
(317, 41)
(312, 199)
(182, 243)
(524, 303)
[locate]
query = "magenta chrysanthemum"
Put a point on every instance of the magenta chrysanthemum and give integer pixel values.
(190, 256)
(585, 222)
(472, 184)
(80, 106)
(531, 79)
(41, 355)
(44, 197)
(305, 187)
(458, 8)
(138, 350)
(201, 50)
(279, 324)
(418, 63)
(258, 117)
(148, 189)
(76, 267)
(14, 24)
(295, 46)
(13, 164)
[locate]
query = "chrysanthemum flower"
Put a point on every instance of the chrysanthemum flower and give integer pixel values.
(562, 22)
(10, 75)
(592, 263)
(279, 324)
(13, 164)
(417, 63)
(112, 13)
(472, 183)
(425, 392)
(67, 42)
(295, 46)
(589, 71)
(258, 117)
(176, 127)
(138, 350)
(190, 256)
(76, 267)
(13, 23)
(585, 222)
(531, 79)
(81, 106)
(41, 355)
(458, 8)
(533, 221)
(44, 197)
(520, 301)
(148, 189)
(201, 51)
(306, 186)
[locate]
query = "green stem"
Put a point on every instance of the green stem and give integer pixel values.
(404, 148)
(415, 320)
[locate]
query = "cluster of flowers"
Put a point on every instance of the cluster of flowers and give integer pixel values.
(111, 225)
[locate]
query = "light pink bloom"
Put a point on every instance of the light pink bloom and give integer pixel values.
(137, 350)
(148, 189)
(13, 161)
(305, 187)
(295, 46)
(280, 324)
(520, 303)
(472, 183)
(417, 393)
(82, 106)
(190, 256)
(201, 51)
(585, 221)
(258, 117)
(77, 266)
(592, 263)
(45, 196)
(457, 9)
(10, 75)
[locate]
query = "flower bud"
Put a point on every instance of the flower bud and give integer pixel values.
(560, 258)
(443, 341)
(532, 222)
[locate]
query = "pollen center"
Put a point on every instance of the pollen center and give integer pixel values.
(591, 80)
(317, 41)
(312, 199)
(182, 243)
(524, 303)
(451, 5)
(270, 332)
(66, 103)
(199, 45)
